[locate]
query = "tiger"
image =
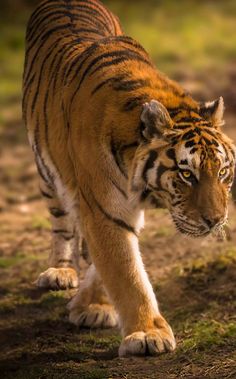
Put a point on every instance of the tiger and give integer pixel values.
(113, 136)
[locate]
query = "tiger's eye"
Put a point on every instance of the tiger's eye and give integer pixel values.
(186, 174)
(222, 172)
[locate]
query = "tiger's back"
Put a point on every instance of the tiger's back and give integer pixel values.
(57, 37)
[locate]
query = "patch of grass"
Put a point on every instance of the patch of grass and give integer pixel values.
(108, 342)
(204, 335)
(52, 298)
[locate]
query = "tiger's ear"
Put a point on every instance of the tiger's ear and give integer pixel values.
(155, 119)
(213, 111)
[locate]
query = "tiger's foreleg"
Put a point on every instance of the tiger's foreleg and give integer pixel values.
(63, 260)
(115, 254)
(90, 307)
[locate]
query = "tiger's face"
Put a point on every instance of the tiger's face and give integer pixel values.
(198, 177)
(188, 167)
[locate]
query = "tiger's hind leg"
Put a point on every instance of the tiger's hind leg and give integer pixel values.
(90, 307)
(63, 260)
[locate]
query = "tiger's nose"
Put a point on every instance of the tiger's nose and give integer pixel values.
(211, 222)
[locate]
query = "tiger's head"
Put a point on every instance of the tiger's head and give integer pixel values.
(185, 163)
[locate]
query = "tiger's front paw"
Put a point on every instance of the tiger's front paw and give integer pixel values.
(151, 342)
(58, 279)
(93, 316)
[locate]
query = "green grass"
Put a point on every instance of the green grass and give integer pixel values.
(205, 335)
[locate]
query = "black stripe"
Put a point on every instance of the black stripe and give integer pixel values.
(174, 112)
(36, 55)
(55, 66)
(129, 146)
(190, 143)
(160, 171)
(91, 49)
(58, 231)
(46, 194)
(40, 172)
(193, 150)
(39, 159)
(100, 85)
(188, 119)
(131, 42)
(127, 56)
(115, 220)
(84, 56)
(96, 21)
(149, 163)
(42, 65)
(91, 21)
(40, 25)
(44, 37)
(134, 102)
(27, 74)
(56, 212)
(145, 194)
(90, 10)
(106, 81)
(40, 10)
(103, 9)
(130, 85)
(86, 201)
(94, 31)
(46, 125)
(118, 188)
(171, 154)
(67, 236)
(65, 261)
(122, 55)
(73, 18)
(26, 88)
(188, 135)
(116, 157)
(76, 8)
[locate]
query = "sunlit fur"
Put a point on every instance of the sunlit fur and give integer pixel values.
(85, 88)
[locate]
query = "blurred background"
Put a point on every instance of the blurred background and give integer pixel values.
(194, 42)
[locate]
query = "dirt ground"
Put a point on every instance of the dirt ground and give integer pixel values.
(194, 281)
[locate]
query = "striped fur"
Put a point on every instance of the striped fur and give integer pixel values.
(112, 135)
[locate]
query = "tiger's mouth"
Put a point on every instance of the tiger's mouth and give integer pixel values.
(189, 229)
(193, 229)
